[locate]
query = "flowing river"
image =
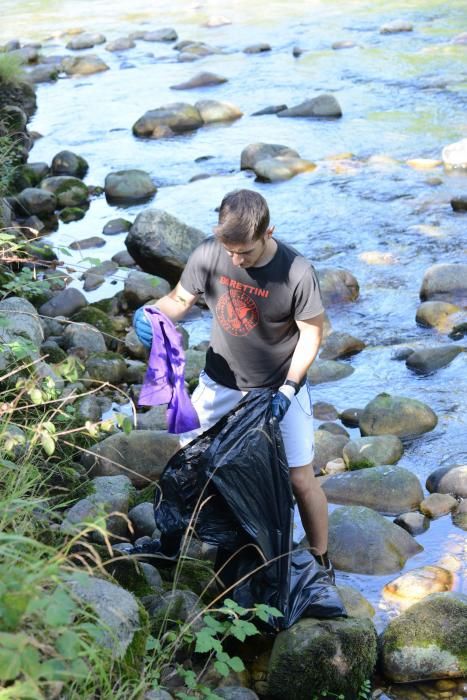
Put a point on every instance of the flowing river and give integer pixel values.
(403, 96)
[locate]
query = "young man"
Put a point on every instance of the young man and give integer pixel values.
(267, 328)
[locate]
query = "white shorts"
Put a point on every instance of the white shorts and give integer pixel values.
(212, 401)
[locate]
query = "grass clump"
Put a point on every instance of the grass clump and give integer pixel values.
(11, 69)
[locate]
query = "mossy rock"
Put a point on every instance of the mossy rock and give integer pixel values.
(70, 214)
(428, 641)
(195, 575)
(106, 367)
(70, 191)
(96, 317)
(313, 656)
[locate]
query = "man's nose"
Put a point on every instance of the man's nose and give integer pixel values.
(237, 259)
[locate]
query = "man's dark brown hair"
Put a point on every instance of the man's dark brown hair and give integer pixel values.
(243, 217)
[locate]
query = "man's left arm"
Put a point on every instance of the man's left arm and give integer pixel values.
(311, 333)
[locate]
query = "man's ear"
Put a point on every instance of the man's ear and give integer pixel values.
(270, 231)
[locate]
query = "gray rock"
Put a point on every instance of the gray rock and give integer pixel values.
(20, 319)
(203, 79)
(324, 411)
(34, 200)
(396, 415)
(430, 359)
(124, 259)
(92, 407)
(157, 695)
(53, 351)
(445, 282)
(154, 419)
(135, 371)
(337, 286)
(182, 606)
(414, 523)
(85, 337)
(427, 641)
(338, 345)
(134, 347)
(350, 417)
(459, 203)
(257, 48)
(297, 663)
(85, 243)
(152, 576)
(84, 65)
(324, 106)
(69, 191)
(95, 276)
(70, 214)
(345, 44)
(195, 361)
(355, 603)
(142, 455)
(272, 109)
(109, 494)
(69, 163)
(235, 692)
(455, 154)
(85, 41)
(459, 515)
(327, 448)
(161, 244)
(389, 490)
(322, 371)
(115, 226)
(164, 34)
(212, 111)
(334, 429)
(178, 117)
(141, 287)
(396, 27)
(435, 314)
(256, 152)
(451, 479)
(106, 367)
(116, 609)
(438, 504)
(143, 520)
(129, 186)
(372, 451)
(122, 44)
(364, 542)
(281, 168)
(64, 303)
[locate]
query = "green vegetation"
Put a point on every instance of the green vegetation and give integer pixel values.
(11, 69)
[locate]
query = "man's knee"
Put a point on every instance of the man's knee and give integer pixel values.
(302, 479)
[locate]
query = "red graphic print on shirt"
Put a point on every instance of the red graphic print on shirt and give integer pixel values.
(237, 312)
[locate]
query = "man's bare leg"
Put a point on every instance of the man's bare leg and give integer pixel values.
(313, 507)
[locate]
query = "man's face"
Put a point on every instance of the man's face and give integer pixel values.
(246, 254)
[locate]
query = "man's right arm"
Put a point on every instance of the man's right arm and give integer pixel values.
(176, 303)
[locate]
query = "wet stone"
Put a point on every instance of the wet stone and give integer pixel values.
(414, 523)
(92, 242)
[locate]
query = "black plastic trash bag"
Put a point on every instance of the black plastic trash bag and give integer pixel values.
(231, 485)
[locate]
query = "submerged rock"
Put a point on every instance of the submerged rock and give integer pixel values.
(389, 490)
(337, 285)
(322, 371)
(430, 359)
(299, 664)
(396, 27)
(203, 79)
(428, 641)
(455, 154)
(396, 415)
(324, 106)
(364, 542)
(435, 314)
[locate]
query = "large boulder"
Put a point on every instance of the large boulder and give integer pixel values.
(69, 191)
(69, 163)
(324, 106)
(372, 451)
(337, 286)
(141, 455)
(436, 314)
(121, 620)
(429, 360)
(452, 480)
(85, 337)
(364, 542)
(322, 655)
(161, 244)
(108, 494)
(445, 282)
(34, 200)
(338, 345)
(455, 154)
(141, 287)
(256, 152)
(428, 641)
(84, 65)
(389, 490)
(417, 584)
(128, 187)
(177, 117)
(65, 303)
(106, 367)
(396, 415)
(19, 318)
(327, 448)
(322, 371)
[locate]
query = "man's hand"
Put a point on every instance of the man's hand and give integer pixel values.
(280, 402)
(143, 328)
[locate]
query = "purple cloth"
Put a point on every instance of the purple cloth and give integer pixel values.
(165, 377)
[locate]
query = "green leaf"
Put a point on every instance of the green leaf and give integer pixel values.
(127, 425)
(48, 444)
(68, 644)
(13, 605)
(31, 662)
(215, 625)
(54, 670)
(79, 668)
(263, 612)
(206, 642)
(236, 664)
(232, 605)
(10, 664)
(222, 668)
(247, 628)
(60, 610)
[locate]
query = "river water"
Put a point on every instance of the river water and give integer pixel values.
(403, 96)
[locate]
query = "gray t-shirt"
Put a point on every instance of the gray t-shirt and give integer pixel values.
(254, 311)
